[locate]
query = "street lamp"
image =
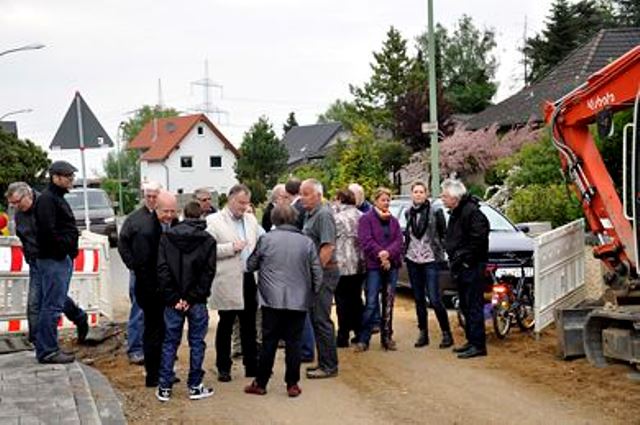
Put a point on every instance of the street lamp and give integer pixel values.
(19, 111)
(32, 46)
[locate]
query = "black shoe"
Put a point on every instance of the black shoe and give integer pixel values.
(354, 339)
(342, 342)
(82, 330)
(321, 373)
(376, 329)
(447, 340)
(462, 349)
(58, 358)
(472, 352)
(224, 376)
(163, 394)
(423, 339)
(200, 392)
(151, 382)
(312, 368)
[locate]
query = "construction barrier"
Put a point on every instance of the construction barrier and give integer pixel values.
(558, 271)
(88, 287)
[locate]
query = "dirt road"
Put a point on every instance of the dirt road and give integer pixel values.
(520, 381)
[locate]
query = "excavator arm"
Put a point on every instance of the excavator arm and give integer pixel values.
(612, 88)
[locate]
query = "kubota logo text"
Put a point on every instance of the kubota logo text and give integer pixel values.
(599, 102)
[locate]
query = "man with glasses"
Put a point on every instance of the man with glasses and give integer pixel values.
(203, 196)
(22, 197)
(139, 225)
(57, 246)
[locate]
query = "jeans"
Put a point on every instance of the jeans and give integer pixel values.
(308, 348)
(424, 281)
(471, 291)
(198, 318)
(55, 276)
(349, 306)
(323, 328)
(280, 324)
(69, 308)
(247, 330)
(379, 282)
(135, 326)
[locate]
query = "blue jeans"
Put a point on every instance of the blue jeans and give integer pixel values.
(55, 276)
(135, 326)
(70, 308)
(379, 282)
(308, 346)
(424, 281)
(198, 318)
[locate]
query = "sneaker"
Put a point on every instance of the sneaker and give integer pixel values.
(137, 359)
(82, 330)
(462, 348)
(200, 392)
(163, 394)
(294, 390)
(322, 374)
(360, 347)
(254, 388)
(58, 358)
(224, 376)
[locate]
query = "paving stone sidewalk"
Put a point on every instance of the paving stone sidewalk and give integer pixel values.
(33, 393)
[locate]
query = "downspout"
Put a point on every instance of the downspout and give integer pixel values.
(166, 173)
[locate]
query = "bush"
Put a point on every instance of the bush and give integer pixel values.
(477, 190)
(537, 202)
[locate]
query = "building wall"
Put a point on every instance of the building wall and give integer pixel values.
(200, 148)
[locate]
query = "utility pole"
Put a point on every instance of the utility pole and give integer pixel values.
(524, 55)
(432, 126)
(207, 84)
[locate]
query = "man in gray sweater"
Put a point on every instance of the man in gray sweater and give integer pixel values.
(289, 271)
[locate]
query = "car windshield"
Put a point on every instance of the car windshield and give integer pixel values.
(98, 200)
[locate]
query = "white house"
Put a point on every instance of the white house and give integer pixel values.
(186, 153)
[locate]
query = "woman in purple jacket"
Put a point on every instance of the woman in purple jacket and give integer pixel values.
(381, 241)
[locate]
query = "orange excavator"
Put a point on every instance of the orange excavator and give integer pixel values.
(611, 331)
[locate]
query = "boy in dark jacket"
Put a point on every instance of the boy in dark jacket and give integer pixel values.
(186, 268)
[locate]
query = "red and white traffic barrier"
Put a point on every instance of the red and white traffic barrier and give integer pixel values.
(12, 260)
(20, 325)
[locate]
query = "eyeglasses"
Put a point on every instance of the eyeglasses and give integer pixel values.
(16, 202)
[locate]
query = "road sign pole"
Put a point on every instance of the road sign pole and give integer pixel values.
(87, 221)
(433, 111)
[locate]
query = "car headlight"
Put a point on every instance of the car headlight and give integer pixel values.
(109, 220)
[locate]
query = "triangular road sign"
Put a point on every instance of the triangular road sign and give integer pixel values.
(68, 136)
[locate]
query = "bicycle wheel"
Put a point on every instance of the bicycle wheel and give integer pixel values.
(501, 321)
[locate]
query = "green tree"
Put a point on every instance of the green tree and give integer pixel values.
(627, 12)
(263, 158)
(22, 160)
(290, 123)
(376, 100)
(552, 203)
(465, 65)
(393, 156)
(341, 111)
(143, 115)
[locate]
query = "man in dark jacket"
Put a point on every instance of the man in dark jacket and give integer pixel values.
(138, 247)
(186, 268)
(21, 197)
(57, 241)
(467, 245)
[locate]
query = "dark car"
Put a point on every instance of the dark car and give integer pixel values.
(101, 214)
(509, 246)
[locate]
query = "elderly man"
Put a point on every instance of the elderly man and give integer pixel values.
(203, 196)
(320, 226)
(21, 197)
(57, 240)
(234, 293)
(140, 239)
(138, 222)
(278, 195)
(467, 245)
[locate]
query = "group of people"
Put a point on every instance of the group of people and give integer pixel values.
(306, 252)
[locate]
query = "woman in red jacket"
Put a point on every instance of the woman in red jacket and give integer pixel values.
(380, 238)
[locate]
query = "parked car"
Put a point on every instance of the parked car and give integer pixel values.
(101, 214)
(508, 245)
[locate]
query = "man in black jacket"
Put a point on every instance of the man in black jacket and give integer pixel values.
(186, 268)
(57, 240)
(138, 247)
(467, 245)
(23, 198)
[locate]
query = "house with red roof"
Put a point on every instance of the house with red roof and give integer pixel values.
(185, 153)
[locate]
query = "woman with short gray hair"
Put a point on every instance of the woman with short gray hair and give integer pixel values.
(288, 273)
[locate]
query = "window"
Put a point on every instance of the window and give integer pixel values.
(215, 161)
(186, 162)
(200, 130)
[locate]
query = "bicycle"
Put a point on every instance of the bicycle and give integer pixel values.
(513, 299)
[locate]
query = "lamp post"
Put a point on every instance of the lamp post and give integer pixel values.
(19, 111)
(32, 46)
(433, 111)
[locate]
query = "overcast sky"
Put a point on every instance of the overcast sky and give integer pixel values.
(270, 56)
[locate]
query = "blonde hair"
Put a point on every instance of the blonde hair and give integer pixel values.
(381, 191)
